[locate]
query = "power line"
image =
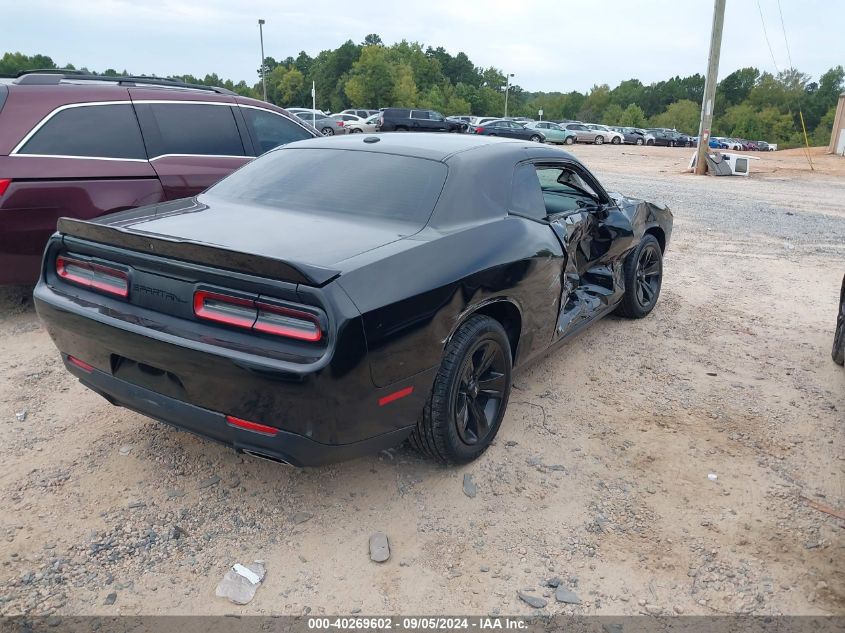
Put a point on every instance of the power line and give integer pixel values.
(783, 26)
(766, 35)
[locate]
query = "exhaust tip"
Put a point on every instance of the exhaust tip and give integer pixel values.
(265, 456)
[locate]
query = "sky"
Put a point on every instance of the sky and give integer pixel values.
(549, 45)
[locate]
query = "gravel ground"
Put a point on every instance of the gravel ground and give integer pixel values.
(684, 463)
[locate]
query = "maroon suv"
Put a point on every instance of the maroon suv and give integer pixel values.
(82, 146)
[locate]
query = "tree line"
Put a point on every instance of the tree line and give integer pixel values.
(749, 103)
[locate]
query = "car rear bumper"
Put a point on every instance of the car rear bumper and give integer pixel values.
(283, 446)
(322, 412)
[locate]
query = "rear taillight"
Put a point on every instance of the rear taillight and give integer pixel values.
(340, 123)
(224, 309)
(4, 184)
(95, 276)
(255, 427)
(287, 322)
(257, 316)
(479, 130)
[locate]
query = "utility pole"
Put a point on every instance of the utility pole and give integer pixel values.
(507, 87)
(263, 65)
(710, 87)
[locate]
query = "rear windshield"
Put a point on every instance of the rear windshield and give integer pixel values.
(351, 182)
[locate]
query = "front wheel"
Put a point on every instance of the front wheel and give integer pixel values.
(643, 274)
(469, 396)
(599, 140)
(838, 352)
(569, 140)
(650, 142)
(616, 140)
(639, 141)
(534, 138)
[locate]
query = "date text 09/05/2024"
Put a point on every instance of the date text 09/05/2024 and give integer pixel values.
(417, 623)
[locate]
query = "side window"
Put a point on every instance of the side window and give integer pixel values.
(193, 128)
(419, 114)
(272, 130)
(102, 131)
(526, 195)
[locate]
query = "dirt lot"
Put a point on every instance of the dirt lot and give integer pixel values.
(599, 475)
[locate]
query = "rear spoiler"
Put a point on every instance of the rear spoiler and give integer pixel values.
(197, 252)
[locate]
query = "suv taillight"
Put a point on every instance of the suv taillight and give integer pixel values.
(94, 276)
(258, 316)
(4, 184)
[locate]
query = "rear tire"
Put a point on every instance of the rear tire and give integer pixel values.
(599, 140)
(401, 129)
(327, 131)
(356, 130)
(535, 138)
(639, 141)
(570, 140)
(461, 417)
(615, 140)
(643, 274)
(838, 352)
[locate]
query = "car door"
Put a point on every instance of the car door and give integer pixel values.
(593, 232)
(581, 132)
(193, 144)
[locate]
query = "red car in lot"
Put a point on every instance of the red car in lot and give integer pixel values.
(82, 146)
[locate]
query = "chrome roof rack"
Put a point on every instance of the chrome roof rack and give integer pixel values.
(54, 77)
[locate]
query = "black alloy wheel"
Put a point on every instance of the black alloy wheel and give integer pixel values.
(838, 352)
(469, 396)
(327, 131)
(481, 391)
(649, 275)
(643, 273)
(535, 138)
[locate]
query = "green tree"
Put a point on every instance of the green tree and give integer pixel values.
(683, 115)
(633, 116)
(612, 115)
(371, 79)
(404, 87)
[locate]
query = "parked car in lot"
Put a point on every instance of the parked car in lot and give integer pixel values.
(369, 124)
(762, 146)
(327, 125)
(509, 129)
(346, 118)
(81, 146)
(610, 136)
(583, 134)
(409, 120)
(553, 132)
(838, 351)
(297, 111)
(481, 120)
(462, 118)
(635, 136)
(669, 138)
(336, 296)
(362, 114)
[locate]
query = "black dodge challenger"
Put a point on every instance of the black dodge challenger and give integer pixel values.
(338, 295)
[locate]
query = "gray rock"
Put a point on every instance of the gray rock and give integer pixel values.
(562, 594)
(175, 493)
(237, 588)
(175, 533)
(470, 489)
(301, 517)
(133, 505)
(125, 449)
(553, 582)
(484, 569)
(533, 601)
(21, 415)
(110, 599)
(379, 547)
(207, 483)
(355, 610)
